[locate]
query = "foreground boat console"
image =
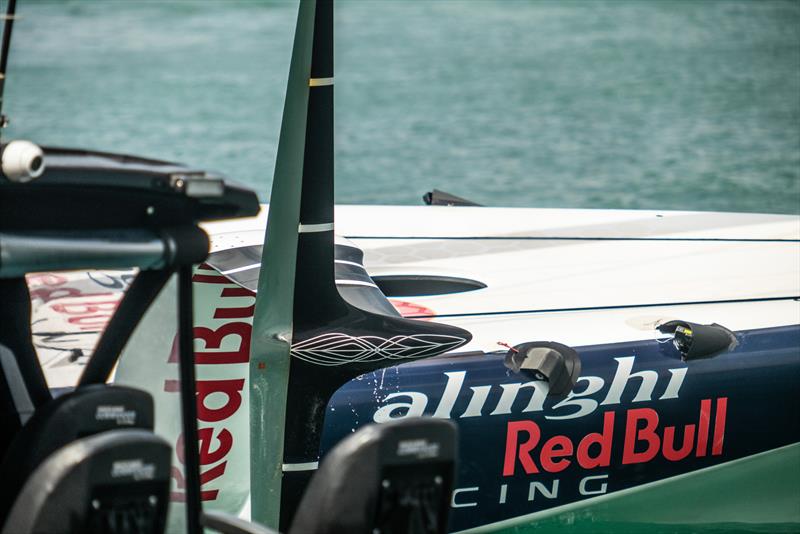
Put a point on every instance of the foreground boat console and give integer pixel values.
(88, 460)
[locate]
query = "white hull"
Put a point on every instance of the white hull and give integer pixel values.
(577, 276)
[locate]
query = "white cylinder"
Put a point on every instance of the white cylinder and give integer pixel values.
(22, 161)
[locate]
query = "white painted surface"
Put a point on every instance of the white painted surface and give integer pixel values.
(535, 274)
(520, 274)
(428, 221)
(523, 274)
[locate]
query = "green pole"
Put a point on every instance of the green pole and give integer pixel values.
(272, 323)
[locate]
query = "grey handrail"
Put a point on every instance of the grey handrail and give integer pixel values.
(27, 252)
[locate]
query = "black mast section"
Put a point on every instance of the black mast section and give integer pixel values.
(7, 27)
(321, 316)
(307, 339)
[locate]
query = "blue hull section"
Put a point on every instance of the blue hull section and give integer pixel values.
(637, 414)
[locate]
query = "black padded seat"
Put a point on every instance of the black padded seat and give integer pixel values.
(16, 405)
(116, 482)
(82, 412)
(389, 478)
(15, 334)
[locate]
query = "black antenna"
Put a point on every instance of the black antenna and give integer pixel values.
(7, 27)
(305, 333)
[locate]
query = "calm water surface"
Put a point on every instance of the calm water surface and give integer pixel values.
(635, 104)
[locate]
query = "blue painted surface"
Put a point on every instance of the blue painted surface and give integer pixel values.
(758, 380)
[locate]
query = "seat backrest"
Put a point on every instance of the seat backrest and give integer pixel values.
(116, 482)
(394, 477)
(16, 406)
(15, 334)
(83, 412)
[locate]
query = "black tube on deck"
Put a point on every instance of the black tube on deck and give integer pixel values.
(188, 399)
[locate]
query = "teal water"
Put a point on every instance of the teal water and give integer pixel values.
(621, 104)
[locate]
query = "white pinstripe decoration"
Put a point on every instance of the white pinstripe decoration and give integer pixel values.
(339, 349)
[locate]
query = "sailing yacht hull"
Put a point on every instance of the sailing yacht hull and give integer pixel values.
(638, 416)
(641, 426)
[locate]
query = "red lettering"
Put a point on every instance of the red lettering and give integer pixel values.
(702, 429)
(719, 426)
(45, 279)
(603, 459)
(670, 453)
(633, 434)
(231, 388)
(238, 291)
(213, 340)
(180, 482)
(215, 278)
(209, 278)
(94, 321)
(81, 308)
(556, 447)
(235, 313)
(205, 476)
(173, 351)
(47, 294)
(213, 473)
(207, 456)
(512, 437)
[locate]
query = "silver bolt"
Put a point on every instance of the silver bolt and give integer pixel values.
(95, 504)
(386, 484)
